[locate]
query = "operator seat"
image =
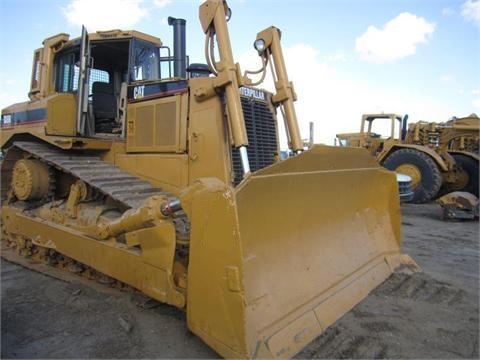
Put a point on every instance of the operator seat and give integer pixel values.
(104, 106)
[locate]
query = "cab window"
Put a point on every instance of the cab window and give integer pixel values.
(144, 62)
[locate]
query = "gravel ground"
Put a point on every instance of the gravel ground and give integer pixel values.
(433, 314)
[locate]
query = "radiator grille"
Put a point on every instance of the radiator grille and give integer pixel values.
(262, 137)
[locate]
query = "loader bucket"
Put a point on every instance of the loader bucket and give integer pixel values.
(277, 260)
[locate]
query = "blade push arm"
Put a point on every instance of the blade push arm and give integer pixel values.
(268, 43)
(213, 17)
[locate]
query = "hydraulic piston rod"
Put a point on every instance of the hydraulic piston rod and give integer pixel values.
(285, 94)
(213, 15)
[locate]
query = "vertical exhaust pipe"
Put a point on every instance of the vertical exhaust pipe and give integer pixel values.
(404, 127)
(311, 133)
(179, 47)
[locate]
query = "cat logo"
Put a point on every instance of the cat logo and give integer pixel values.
(139, 92)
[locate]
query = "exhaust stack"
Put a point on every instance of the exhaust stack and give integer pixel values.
(404, 127)
(179, 47)
(311, 133)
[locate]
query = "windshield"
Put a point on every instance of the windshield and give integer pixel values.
(382, 128)
(342, 142)
(145, 61)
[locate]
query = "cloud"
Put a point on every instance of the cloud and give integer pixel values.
(471, 11)
(13, 89)
(334, 102)
(448, 11)
(398, 39)
(7, 98)
(92, 13)
(336, 57)
(446, 78)
(161, 3)
(476, 103)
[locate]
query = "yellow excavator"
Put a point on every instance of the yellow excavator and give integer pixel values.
(173, 185)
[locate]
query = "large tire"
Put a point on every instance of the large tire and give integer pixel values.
(470, 166)
(425, 174)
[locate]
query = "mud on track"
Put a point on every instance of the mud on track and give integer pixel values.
(433, 314)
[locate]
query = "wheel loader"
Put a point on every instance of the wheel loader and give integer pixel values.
(173, 185)
(433, 168)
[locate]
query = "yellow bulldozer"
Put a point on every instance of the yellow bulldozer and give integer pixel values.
(173, 185)
(422, 151)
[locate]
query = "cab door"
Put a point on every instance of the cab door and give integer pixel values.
(83, 125)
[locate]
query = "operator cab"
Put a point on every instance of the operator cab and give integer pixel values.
(389, 128)
(113, 61)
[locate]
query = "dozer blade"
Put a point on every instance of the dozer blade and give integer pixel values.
(277, 260)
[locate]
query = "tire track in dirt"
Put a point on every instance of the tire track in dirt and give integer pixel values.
(384, 323)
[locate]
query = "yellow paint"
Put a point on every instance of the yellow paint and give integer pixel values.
(267, 265)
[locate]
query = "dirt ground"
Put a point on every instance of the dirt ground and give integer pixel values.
(433, 314)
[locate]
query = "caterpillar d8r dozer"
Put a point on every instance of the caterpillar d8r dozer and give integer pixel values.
(173, 186)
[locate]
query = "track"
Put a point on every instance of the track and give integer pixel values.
(121, 186)
(110, 186)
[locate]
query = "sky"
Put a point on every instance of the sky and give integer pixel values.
(344, 57)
